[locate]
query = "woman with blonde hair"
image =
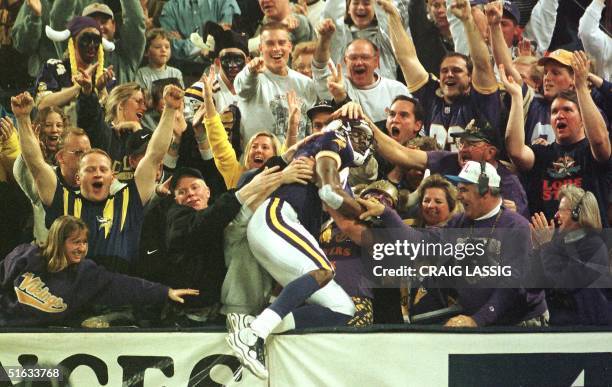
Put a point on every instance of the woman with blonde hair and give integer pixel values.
(574, 259)
(259, 148)
(110, 128)
(49, 284)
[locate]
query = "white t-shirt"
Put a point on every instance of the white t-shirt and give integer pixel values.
(373, 99)
(264, 102)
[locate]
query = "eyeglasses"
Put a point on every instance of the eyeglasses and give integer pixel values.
(468, 144)
(356, 57)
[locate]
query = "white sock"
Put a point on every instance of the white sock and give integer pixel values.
(265, 322)
(287, 324)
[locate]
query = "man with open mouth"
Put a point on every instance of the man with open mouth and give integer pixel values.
(362, 82)
(466, 89)
(113, 218)
(580, 154)
(265, 81)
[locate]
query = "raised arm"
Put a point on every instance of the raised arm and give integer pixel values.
(144, 176)
(325, 29)
(59, 98)
(27, 29)
(328, 80)
(44, 177)
(132, 42)
(403, 48)
(594, 124)
(541, 24)
(595, 41)
(521, 155)
(246, 82)
(295, 114)
(483, 78)
(501, 53)
(223, 152)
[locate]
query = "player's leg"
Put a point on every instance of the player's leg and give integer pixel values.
(294, 258)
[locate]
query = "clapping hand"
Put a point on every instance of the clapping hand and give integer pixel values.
(541, 230)
(6, 129)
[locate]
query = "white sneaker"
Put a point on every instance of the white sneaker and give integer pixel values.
(249, 348)
(237, 321)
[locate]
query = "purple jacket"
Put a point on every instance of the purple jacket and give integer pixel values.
(31, 295)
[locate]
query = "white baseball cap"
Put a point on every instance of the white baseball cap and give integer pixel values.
(471, 172)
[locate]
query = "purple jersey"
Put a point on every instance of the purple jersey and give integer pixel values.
(444, 119)
(305, 198)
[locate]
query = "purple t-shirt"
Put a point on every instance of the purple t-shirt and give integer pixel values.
(444, 119)
(558, 165)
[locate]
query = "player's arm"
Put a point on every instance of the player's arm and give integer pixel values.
(331, 192)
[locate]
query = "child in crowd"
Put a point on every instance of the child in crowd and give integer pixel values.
(157, 52)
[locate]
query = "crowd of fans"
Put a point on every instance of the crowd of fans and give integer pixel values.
(138, 138)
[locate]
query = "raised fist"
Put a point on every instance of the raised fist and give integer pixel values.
(22, 104)
(173, 96)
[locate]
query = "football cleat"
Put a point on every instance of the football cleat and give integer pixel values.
(237, 321)
(249, 348)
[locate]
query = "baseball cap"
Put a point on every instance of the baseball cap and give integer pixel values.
(321, 106)
(182, 172)
(560, 56)
(479, 130)
(471, 172)
(137, 142)
(98, 8)
(512, 10)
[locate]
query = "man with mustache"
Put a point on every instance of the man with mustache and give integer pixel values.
(479, 142)
(467, 88)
